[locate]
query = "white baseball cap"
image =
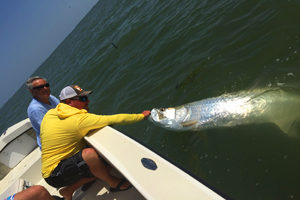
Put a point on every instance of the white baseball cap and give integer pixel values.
(72, 91)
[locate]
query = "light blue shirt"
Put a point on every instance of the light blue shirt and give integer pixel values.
(36, 111)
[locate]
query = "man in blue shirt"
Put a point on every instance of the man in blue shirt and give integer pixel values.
(42, 102)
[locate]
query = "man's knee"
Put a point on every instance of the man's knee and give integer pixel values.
(39, 190)
(89, 154)
(34, 192)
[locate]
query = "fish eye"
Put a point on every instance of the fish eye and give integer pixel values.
(161, 109)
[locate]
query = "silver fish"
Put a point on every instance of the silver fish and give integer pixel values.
(245, 107)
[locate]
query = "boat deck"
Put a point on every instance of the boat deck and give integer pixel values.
(150, 174)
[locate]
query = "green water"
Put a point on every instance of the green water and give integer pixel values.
(137, 55)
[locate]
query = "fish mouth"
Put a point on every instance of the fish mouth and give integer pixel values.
(161, 114)
(156, 114)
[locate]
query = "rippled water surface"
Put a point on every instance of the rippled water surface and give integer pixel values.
(138, 55)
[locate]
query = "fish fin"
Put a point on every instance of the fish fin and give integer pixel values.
(188, 123)
(289, 126)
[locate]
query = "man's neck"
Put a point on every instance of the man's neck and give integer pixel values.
(46, 101)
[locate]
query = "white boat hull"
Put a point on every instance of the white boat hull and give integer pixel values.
(152, 176)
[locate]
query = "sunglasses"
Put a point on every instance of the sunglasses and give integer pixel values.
(41, 86)
(83, 98)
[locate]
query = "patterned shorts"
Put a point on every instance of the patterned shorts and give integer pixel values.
(69, 171)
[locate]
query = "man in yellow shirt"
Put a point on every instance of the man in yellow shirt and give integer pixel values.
(66, 161)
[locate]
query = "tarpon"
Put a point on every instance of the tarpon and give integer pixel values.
(255, 106)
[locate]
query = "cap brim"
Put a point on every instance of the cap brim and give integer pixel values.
(85, 93)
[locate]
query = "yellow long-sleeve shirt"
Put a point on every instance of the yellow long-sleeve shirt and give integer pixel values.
(63, 129)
